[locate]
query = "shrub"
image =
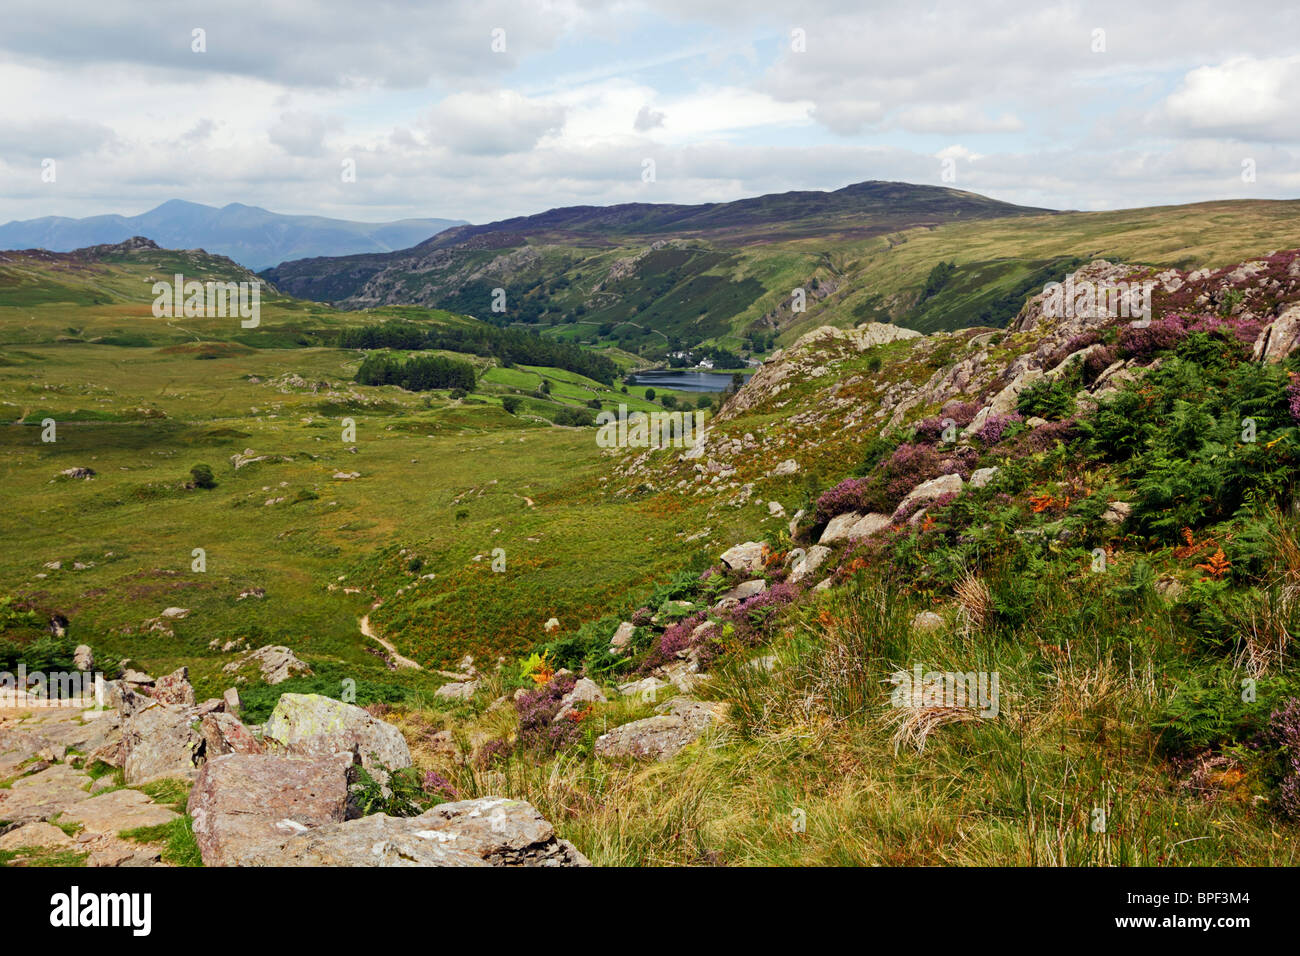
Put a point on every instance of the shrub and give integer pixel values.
(1049, 399)
(538, 728)
(203, 477)
(1284, 728)
(997, 427)
(511, 403)
(574, 417)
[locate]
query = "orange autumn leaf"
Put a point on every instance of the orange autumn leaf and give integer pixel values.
(1216, 566)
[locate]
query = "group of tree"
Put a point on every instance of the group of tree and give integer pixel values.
(509, 346)
(419, 373)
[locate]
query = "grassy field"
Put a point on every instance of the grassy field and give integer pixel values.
(440, 483)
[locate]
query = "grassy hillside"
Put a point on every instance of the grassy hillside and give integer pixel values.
(655, 279)
(325, 527)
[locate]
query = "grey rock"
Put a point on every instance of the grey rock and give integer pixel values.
(488, 831)
(585, 691)
(622, 637)
(809, 563)
(311, 725)
(926, 621)
(680, 722)
(931, 490)
(745, 557)
(457, 690)
(276, 663)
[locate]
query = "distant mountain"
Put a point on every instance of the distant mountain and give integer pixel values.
(649, 277)
(859, 210)
(253, 237)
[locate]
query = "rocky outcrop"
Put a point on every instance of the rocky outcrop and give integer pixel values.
(159, 741)
(276, 664)
(1280, 338)
(852, 526)
(488, 831)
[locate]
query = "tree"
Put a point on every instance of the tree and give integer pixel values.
(669, 401)
(511, 403)
(649, 394)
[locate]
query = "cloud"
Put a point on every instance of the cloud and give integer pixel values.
(492, 124)
(954, 118)
(647, 119)
(1243, 97)
(302, 133)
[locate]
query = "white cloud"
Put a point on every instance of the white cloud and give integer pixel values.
(483, 124)
(1243, 97)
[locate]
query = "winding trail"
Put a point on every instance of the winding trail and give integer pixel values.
(398, 659)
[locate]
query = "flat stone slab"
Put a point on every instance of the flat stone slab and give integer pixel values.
(43, 794)
(491, 831)
(118, 811)
(35, 836)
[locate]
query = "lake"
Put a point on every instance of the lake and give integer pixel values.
(685, 379)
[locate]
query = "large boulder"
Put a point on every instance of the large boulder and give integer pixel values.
(488, 831)
(159, 741)
(746, 557)
(679, 722)
(246, 807)
(310, 725)
(932, 490)
(1280, 338)
(837, 529)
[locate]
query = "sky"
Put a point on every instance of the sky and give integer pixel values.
(486, 109)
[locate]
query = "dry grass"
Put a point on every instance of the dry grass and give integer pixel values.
(913, 725)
